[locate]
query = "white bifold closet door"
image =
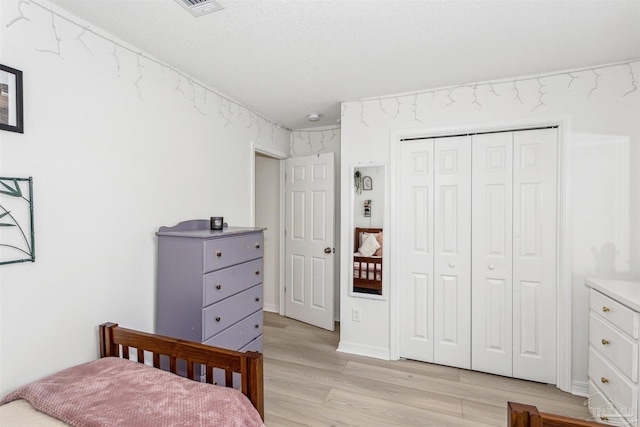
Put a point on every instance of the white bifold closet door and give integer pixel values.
(436, 264)
(514, 254)
(478, 252)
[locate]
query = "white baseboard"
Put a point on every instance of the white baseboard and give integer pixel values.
(364, 350)
(580, 388)
(273, 308)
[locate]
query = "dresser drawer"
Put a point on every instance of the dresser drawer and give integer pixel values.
(621, 351)
(238, 335)
(615, 386)
(228, 281)
(255, 345)
(605, 411)
(616, 313)
(220, 253)
(218, 317)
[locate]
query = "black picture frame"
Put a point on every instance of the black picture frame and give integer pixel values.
(11, 114)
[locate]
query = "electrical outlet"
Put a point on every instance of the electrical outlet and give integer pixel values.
(356, 314)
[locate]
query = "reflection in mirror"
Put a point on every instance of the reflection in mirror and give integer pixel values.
(368, 203)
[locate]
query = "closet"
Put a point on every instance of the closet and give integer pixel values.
(478, 253)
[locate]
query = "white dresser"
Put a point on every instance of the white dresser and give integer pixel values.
(614, 338)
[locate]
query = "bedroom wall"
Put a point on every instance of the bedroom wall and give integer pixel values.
(268, 216)
(117, 145)
(601, 103)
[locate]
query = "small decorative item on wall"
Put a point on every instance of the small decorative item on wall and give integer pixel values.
(357, 180)
(367, 208)
(367, 184)
(17, 240)
(11, 99)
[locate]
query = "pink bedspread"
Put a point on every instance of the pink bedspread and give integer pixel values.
(119, 392)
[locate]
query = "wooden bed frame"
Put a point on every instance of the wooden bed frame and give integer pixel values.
(116, 342)
(521, 415)
(362, 282)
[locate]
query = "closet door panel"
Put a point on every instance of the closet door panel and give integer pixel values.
(491, 270)
(452, 252)
(535, 254)
(416, 253)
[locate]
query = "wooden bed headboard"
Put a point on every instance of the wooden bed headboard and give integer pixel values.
(116, 341)
(521, 415)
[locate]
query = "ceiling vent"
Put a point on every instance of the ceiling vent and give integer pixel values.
(200, 7)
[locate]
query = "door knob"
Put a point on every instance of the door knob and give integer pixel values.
(327, 250)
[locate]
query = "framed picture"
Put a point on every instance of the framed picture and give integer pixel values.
(367, 184)
(11, 99)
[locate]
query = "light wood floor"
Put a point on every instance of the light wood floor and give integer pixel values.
(308, 383)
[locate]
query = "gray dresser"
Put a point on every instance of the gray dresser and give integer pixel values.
(210, 285)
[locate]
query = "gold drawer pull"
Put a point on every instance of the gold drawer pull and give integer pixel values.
(605, 308)
(604, 342)
(218, 286)
(603, 418)
(219, 254)
(604, 380)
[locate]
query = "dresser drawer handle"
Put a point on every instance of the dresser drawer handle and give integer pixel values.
(605, 308)
(218, 254)
(217, 319)
(257, 326)
(604, 380)
(257, 299)
(257, 272)
(604, 341)
(603, 418)
(218, 286)
(257, 245)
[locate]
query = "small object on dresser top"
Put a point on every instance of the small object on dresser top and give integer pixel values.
(217, 222)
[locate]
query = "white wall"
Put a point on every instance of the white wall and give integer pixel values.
(117, 145)
(268, 215)
(601, 106)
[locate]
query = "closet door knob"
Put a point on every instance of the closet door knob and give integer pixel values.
(605, 309)
(492, 267)
(604, 380)
(604, 342)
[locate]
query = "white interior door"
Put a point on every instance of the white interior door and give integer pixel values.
(309, 240)
(416, 249)
(452, 252)
(534, 254)
(492, 274)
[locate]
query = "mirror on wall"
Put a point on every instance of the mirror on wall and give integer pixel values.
(368, 207)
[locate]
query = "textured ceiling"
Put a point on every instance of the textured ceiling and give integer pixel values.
(288, 58)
